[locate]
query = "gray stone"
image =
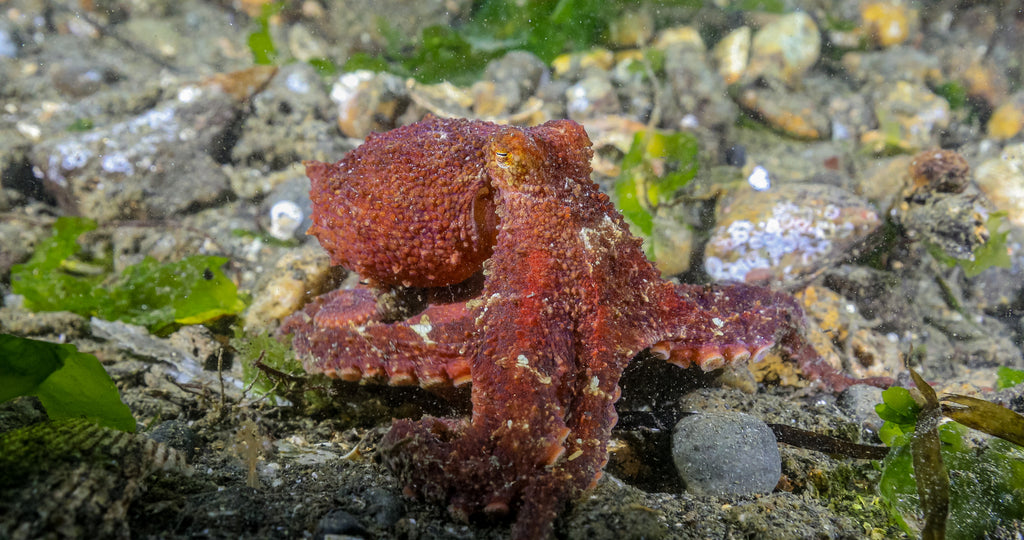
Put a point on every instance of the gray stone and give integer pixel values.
(726, 454)
(859, 402)
(154, 165)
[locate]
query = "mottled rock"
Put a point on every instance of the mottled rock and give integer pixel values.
(297, 277)
(726, 454)
(792, 113)
(909, 117)
(176, 434)
(592, 96)
(139, 342)
(517, 74)
(339, 523)
(786, 234)
(285, 213)
(891, 65)
(955, 224)
(157, 164)
(886, 23)
(696, 94)
(859, 402)
(1002, 181)
(732, 53)
(368, 102)
(784, 49)
(1008, 119)
(289, 121)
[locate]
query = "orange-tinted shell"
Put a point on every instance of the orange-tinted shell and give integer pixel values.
(411, 207)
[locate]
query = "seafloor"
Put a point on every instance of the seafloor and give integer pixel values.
(860, 155)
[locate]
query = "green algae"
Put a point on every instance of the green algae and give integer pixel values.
(70, 384)
(155, 295)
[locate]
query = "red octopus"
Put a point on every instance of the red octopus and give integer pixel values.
(564, 301)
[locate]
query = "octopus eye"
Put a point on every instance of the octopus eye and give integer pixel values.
(501, 154)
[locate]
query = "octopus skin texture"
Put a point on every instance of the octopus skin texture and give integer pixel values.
(538, 295)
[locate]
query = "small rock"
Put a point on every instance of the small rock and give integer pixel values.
(77, 81)
(782, 235)
(859, 402)
(285, 213)
(671, 241)
(157, 164)
(1008, 119)
(198, 342)
(592, 96)
(305, 45)
(909, 118)
(695, 91)
(732, 54)
(1002, 181)
(518, 75)
(940, 171)
(383, 506)
(886, 23)
(726, 454)
(138, 341)
(631, 29)
(298, 276)
(176, 434)
(573, 65)
(955, 224)
(791, 113)
(784, 49)
(338, 523)
(368, 102)
(891, 65)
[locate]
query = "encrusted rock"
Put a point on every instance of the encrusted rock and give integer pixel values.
(157, 164)
(786, 234)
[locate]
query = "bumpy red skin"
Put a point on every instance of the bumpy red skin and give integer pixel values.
(568, 300)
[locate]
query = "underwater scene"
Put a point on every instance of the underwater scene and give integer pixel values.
(527, 269)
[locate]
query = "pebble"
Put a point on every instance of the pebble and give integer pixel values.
(785, 234)
(517, 75)
(572, 65)
(305, 45)
(297, 276)
(726, 454)
(1002, 181)
(1008, 119)
(696, 93)
(368, 101)
(794, 114)
(886, 23)
(909, 119)
(176, 434)
(339, 523)
(859, 402)
(631, 29)
(732, 54)
(592, 96)
(285, 213)
(784, 49)
(78, 81)
(383, 506)
(891, 65)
